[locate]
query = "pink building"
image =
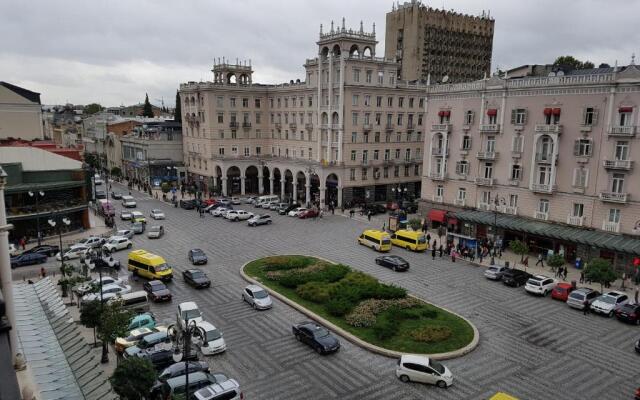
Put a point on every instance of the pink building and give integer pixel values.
(546, 159)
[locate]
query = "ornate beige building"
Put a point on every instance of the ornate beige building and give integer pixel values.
(350, 131)
(430, 44)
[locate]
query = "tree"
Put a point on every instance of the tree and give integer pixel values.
(519, 248)
(177, 112)
(116, 171)
(166, 187)
(114, 321)
(147, 110)
(600, 271)
(133, 378)
(90, 316)
(92, 108)
(415, 224)
(572, 62)
(90, 158)
(555, 261)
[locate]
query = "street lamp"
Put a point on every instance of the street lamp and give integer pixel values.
(59, 221)
(497, 201)
(37, 195)
(96, 262)
(182, 338)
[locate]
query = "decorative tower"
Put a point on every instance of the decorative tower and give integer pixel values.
(225, 73)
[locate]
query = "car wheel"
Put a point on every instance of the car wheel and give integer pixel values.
(254, 306)
(395, 269)
(129, 246)
(237, 219)
(298, 338)
(610, 314)
(404, 378)
(441, 384)
(318, 350)
(268, 222)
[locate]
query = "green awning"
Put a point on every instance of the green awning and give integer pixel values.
(25, 187)
(589, 237)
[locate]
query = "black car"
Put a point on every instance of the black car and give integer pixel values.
(46, 249)
(396, 263)
(100, 194)
(285, 210)
(629, 313)
(28, 259)
(196, 278)
(162, 356)
(316, 336)
(178, 369)
(374, 209)
(515, 277)
(157, 290)
(116, 195)
(197, 257)
(188, 204)
(638, 346)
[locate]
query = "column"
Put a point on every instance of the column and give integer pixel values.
(242, 185)
(339, 205)
(282, 187)
(307, 194)
(295, 191)
(224, 186)
(271, 191)
(5, 270)
(260, 184)
(322, 194)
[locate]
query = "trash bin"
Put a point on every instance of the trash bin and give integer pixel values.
(403, 224)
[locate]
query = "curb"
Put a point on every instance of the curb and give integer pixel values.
(356, 340)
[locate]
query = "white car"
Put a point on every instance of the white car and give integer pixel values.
(125, 215)
(267, 204)
(257, 297)
(106, 280)
(540, 284)
(236, 200)
(157, 214)
(91, 241)
(608, 302)
(415, 368)
(297, 211)
(495, 272)
(213, 338)
(237, 215)
(128, 233)
(116, 243)
(187, 312)
(128, 202)
(219, 212)
(76, 251)
(13, 250)
(108, 292)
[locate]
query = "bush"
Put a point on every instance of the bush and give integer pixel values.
(315, 273)
(386, 326)
(429, 313)
(318, 292)
(384, 291)
(364, 314)
(283, 263)
(431, 334)
(415, 224)
(338, 307)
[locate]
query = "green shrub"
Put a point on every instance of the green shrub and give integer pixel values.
(384, 291)
(364, 314)
(431, 334)
(386, 326)
(283, 263)
(338, 307)
(429, 313)
(415, 224)
(318, 292)
(315, 273)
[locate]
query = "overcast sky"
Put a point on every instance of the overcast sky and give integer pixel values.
(112, 52)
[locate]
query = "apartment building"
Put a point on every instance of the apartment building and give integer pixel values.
(349, 132)
(20, 113)
(550, 160)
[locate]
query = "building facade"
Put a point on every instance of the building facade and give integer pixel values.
(547, 159)
(349, 133)
(430, 44)
(20, 113)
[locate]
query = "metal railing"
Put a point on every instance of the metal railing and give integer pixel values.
(614, 197)
(618, 164)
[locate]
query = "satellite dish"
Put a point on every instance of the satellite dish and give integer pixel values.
(445, 79)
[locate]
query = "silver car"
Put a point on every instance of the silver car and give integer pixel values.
(128, 233)
(495, 272)
(257, 297)
(256, 220)
(578, 297)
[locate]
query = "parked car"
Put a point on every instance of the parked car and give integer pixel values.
(187, 312)
(268, 204)
(157, 214)
(220, 211)
(110, 262)
(225, 202)
(311, 213)
(125, 215)
(91, 241)
(515, 277)
(157, 290)
(540, 284)
(13, 250)
(197, 381)
(86, 287)
(495, 272)
(108, 292)
(138, 228)
(211, 207)
(137, 216)
(101, 194)
(223, 390)
(415, 368)
(561, 291)
(316, 336)
(374, 209)
(236, 201)
(629, 313)
(249, 199)
(196, 278)
(264, 219)
(197, 257)
(238, 215)
(123, 343)
(608, 302)
(277, 206)
(213, 341)
(161, 356)
(296, 211)
(148, 342)
(46, 249)
(396, 263)
(257, 297)
(180, 368)
(116, 243)
(28, 259)
(187, 204)
(116, 195)
(155, 232)
(287, 207)
(578, 297)
(73, 252)
(145, 320)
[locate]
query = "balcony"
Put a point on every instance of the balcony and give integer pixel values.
(514, 182)
(613, 227)
(544, 158)
(548, 128)
(246, 125)
(441, 127)
(278, 125)
(487, 155)
(389, 127)
(437, 199)
(510, 210)
(543, 187)
(336, 127)
(367, 127)
(573, 220)
(490, 128)
(625, 131)
(516, 153)
(618, 164)
(484, 181)
(541, 215)
(364, 162)
(438, 176)
(613, 197)
(410, 127)
(293, 126)
(439, 152)
(460, 202)
(233, 124)
(484, 206)
(308, 127)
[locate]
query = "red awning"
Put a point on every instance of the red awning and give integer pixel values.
(492, 111)
(625, 109)
(548, 111)
(453, 221)
(441, 113)
(447, 113)
(556, 111)
(437, 215)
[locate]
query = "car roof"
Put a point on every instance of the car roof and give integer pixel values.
(110, 285)
(614, 293)
(254, 287)
(564, 284)
(192, 270)
(188, 305)
(540, 277)
(584, 290)
(155, 282)
(140, 331)
(207, 326)
(414, 358)
(196, 250)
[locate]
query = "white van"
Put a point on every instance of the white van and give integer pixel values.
(214, 343)
(272, 198)
(128, 201)
(135, 301)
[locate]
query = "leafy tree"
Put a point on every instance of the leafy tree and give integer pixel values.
(555, 261)
(92, 108)
(520, 248)
(90, 158)
(166, 187)
(573, 62)
(116, 171)
(147, 110)
(90, 316)
(415, 224)
(133, 378)
(114, 321)
(600, 271)
(177, 112)
(604, 65)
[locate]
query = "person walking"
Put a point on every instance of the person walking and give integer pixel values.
(565, 271)
(369, 215)
(351, 213)
(526, 262)
(440, 249)
(43, 273)
(624, 278)
(540, 260)
(585, 310)
(433, 250)
(428, 237)
(22, 243)
(581, 276)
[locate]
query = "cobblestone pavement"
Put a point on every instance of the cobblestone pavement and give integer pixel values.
(530, 347)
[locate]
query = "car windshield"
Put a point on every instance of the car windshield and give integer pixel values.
(534, 282)
(156, 211)
(197, 275)
(320, 332)
(260, 294)
(436, 366)
(607, 299)
(386, 241)
(576, 295)
(155, 229)
(161, 267)
(157, 286)
(422, 239)
(213, 335)
(137, 224)
(191, 314)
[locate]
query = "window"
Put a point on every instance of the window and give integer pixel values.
(397, 153)
(421, 102)
(364, 173)
(589, 116)
(400, 101)
(220, 101)
(582, 148)
(378, 118)
(258, 150)
(544, 175)
(234, 150)
(516, 172)
(380, 77)
(310, 101)
(352, 174)
(407, 154)
(379, 101)
(354, 100)
(617, 183)
(368, 74)
(221, 134)
(392, 79)
(491, 144)
(376, 154)
(310, 153)
(624, 118)
(221, 118)
(221, 151)
(614, 215)
(245, 103)
(462, 168)
(232, 102)
(580, 176)
(622, 150)
(367, 100)
(258, 118)
(354, 118)
(387, 153)
(513, 200)
(366, 137)
(411, 102)
(353, 155)
(543, 206)
(419, 119)
(406, 170)
(247, 152)
(518, 116)
(279, 102)
(485, 197)
(354, 137)
(493, 119)
(376, 137)
(367, 118)
(365, 155)
(466, 142)
(396, 171)
(271, 102)
(385, 172)
(578, 210)
(468, 117)
(356, 75)
(416, 170)
(517, 144)
(488, 170)
(440, 190)
(462, 194)
(400, 118)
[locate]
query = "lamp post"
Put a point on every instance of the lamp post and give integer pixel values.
(37, 195)
(59, 221)
(182, 338)
(497, 201)
(97, 263)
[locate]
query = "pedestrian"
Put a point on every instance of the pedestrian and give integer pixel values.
(43, 273)
(428, 237)
(581, 276)
(480, 254)
(564, 273)
(540, 260)
(624, 278)
(585, 310)
(384, 226)
(526, 262)
(321, 213)
(453, 255)
(441, 249)
(333, 210)
(433, 250)
(369, 215)
(351, 213)
(22, 243)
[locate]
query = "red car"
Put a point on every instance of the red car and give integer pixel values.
(308, 214)
(561, 291)
(209, 202)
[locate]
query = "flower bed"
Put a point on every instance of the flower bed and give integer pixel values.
(378, 313)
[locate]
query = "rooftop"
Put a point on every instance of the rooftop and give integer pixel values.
(36, 159)
(27, 94)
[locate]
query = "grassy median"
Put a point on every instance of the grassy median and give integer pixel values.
(378, 313)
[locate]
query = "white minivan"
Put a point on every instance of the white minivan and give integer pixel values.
(415, 368)
(214, 342)
(128, 201)
(271, 198)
